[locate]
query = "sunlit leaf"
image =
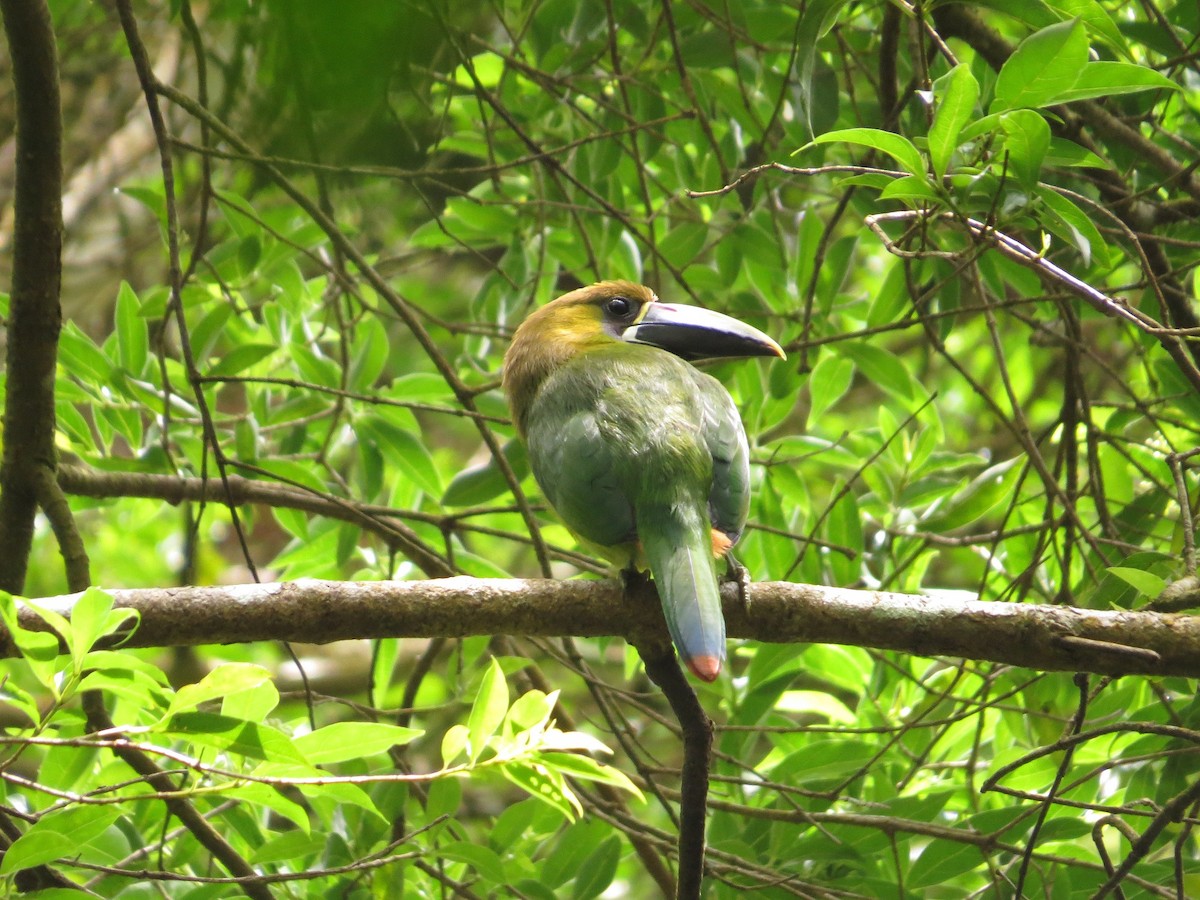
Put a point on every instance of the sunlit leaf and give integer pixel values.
(487, 712)
(894, 145)
(352, 740)
(955, 93)
(1046, 65)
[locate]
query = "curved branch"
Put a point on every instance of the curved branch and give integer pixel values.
(1049, 638)
(53, 501)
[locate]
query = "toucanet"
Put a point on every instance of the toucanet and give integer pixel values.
(641, 454)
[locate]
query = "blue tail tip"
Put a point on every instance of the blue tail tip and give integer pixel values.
(706, 668)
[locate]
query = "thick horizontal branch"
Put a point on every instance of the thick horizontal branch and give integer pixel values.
(1052, 638)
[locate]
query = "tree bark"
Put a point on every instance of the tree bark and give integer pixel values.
(1049, 638)
(34, 318)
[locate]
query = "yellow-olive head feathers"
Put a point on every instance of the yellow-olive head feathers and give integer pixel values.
(584, 319)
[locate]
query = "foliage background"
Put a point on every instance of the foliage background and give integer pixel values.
(368, 198)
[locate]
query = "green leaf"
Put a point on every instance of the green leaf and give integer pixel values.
(1096, 18)
(584, 768)
(454, 744)
(910, 187)
(544, 785)
(35, 848)
(315, 367)
(956, 94)
(480, 566)
(1076, 226)
(894, 145)
(249, 252)
(92, 617)
(133, 338)
(443, 799)
(225, 679)
(287, 470)
(89, 614)
(816, 703)
(423, 386)
(276, 801)
(352, 740)
(407, 454)
(335, 796)
(238, 736)
(1045, 65)
(482, 859)
(15, 696)
(56, 620)
(1027, 138)
(891, 300)
(253, 704)
(152, 194)
(881, 366)
(531, 710)
(1146, 583)
(986, 491)
(528, 887)
(370, 354)
(1067, 153)
(135, 687)
(487, 712)
(828, 383)
(59, 834)
(940, 863)
(819, 16)
(241, 358)
(1104, 78)
(481, 483)
(478, 225)
(288, 847)
(683, 243)
(821, 762)
(844, 529)
(513, 822)
(79, 356)
(39, 649)
(598, 870)
(205, 334)
(73, 425)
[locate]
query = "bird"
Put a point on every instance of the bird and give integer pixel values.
(643, 456)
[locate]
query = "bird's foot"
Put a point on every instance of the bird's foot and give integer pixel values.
(633, 580)
(739, 575)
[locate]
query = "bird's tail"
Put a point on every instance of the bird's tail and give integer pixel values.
(680, 555)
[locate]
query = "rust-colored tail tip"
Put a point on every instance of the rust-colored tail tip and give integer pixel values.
(706, 668)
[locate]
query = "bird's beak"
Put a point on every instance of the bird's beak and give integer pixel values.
(694, 333)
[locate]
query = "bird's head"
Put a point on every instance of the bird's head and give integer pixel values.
(613, 313)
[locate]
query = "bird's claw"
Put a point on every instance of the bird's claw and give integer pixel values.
(739, 575)
(633, 579)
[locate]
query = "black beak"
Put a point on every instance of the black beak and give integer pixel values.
(694, 333)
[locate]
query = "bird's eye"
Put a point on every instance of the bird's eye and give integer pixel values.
(619, 307)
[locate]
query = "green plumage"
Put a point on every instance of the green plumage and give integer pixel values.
(622, 440)
(641, 454)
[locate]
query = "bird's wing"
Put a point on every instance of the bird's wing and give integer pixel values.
(729, 497)
(576, 469)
